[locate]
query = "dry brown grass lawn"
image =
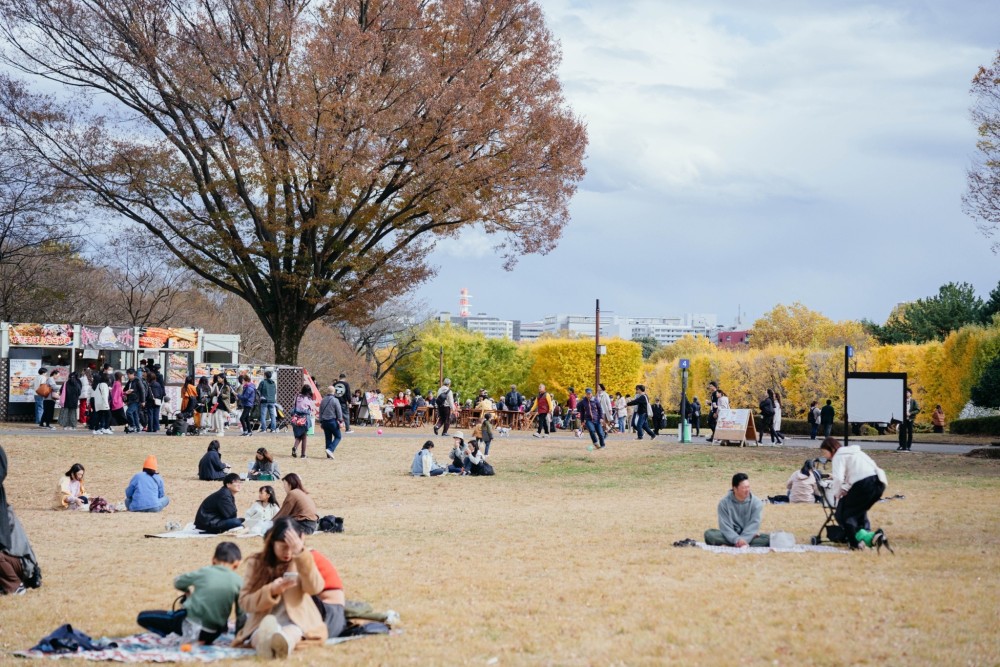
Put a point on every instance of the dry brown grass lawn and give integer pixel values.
(563, 558)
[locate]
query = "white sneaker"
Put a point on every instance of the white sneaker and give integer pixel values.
(108, 431)
(536, 435)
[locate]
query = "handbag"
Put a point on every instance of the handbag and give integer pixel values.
(297, 419)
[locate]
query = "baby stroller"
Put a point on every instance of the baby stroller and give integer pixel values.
(828, 502)
(282, 418)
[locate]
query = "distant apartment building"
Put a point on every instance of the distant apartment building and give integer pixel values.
(491, 327)
(665, 330)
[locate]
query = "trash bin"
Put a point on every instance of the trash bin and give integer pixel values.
(684, 431)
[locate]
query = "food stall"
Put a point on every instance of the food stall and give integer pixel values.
(27, 347)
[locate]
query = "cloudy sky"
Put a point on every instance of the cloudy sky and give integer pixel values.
(744, 154)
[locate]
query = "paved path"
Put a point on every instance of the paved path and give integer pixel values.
(419, 434)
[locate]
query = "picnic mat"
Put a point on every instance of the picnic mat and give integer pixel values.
(189, 531)
(797, 549)
(147, 647)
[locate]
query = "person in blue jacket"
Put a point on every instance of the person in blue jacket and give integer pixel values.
(145, 491)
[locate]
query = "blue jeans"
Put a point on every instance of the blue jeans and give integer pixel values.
(331, 429)
(38, 409)
(132, 416)
(813, 431)
(621, 424)
(269, 416)
(596, 432)
(161, 503)
(153, 418)
(642, 425)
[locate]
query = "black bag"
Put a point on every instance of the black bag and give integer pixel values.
(836, 534)
(812, 416)
(486, 470)
(331, 524)
(442, 400)
(372, 628)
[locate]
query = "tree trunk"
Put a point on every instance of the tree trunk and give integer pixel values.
(287, 337)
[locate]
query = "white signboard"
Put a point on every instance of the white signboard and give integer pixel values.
(735, 425)
(875, 399)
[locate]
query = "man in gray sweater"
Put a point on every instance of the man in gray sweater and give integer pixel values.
(740, 513)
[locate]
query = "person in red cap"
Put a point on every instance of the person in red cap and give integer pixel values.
(145, 492)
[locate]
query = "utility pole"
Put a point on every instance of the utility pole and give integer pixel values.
(441, 366)
(597, 348)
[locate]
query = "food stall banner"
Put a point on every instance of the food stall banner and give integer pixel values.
(22, 380)
(158, 338)
(177, 367)
(107, 338)
(40, 335)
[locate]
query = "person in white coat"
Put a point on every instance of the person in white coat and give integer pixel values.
(102, 405)
(263, 509)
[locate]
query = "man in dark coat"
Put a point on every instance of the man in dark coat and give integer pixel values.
(217, 513)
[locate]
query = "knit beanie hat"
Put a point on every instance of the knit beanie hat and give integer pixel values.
(150, 463)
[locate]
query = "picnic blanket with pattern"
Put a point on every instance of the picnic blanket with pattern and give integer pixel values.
(797, 549)
(189, 531)
(147, 647)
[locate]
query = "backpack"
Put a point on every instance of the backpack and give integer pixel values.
(486, 470)
(812, 416)
(442, 400)
(331, 524)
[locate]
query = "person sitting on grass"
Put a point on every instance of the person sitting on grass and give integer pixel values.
(263, 467)
(298, 505)
(803, 486)
(263, 509)
(71, 494)
(332, 597)
(458, 455)
(277, 594)
(424, 464)
(857, 484)
(145, 491)
(210, 467)
(740, 514)
(210, 596)
(218, 512)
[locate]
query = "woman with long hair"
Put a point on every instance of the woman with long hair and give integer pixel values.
(263, 466)
(71, 494)
(776, 422)
(264, 508)
(298, 504)
(304, 405)
(204, 397)
(277, 594)
(118, 401)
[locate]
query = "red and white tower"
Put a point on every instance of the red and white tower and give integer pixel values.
(463, 302)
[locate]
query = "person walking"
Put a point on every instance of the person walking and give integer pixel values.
(776, 421)
(694, 409)
(342, 390)
(814, 417)
(135, 400)
(224, 398)
(767, 417)
(70, 401)
(154, 400)
(268, 392)
(713, 409)
(621, 410)
(445, 402)
(543, 407)
(590, 414)
(906, 428)
(248, 399)
(826, 416)
(604, 399)
(643, 411)
(331, 414)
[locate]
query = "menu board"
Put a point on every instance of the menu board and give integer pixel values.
(107, 338)
(40, 335)
(158, 338)
(177, 368)
(22, 380)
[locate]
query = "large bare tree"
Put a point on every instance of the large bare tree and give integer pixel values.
(303, 156)
(982, 198)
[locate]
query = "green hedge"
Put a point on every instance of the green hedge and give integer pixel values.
(976, 426)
